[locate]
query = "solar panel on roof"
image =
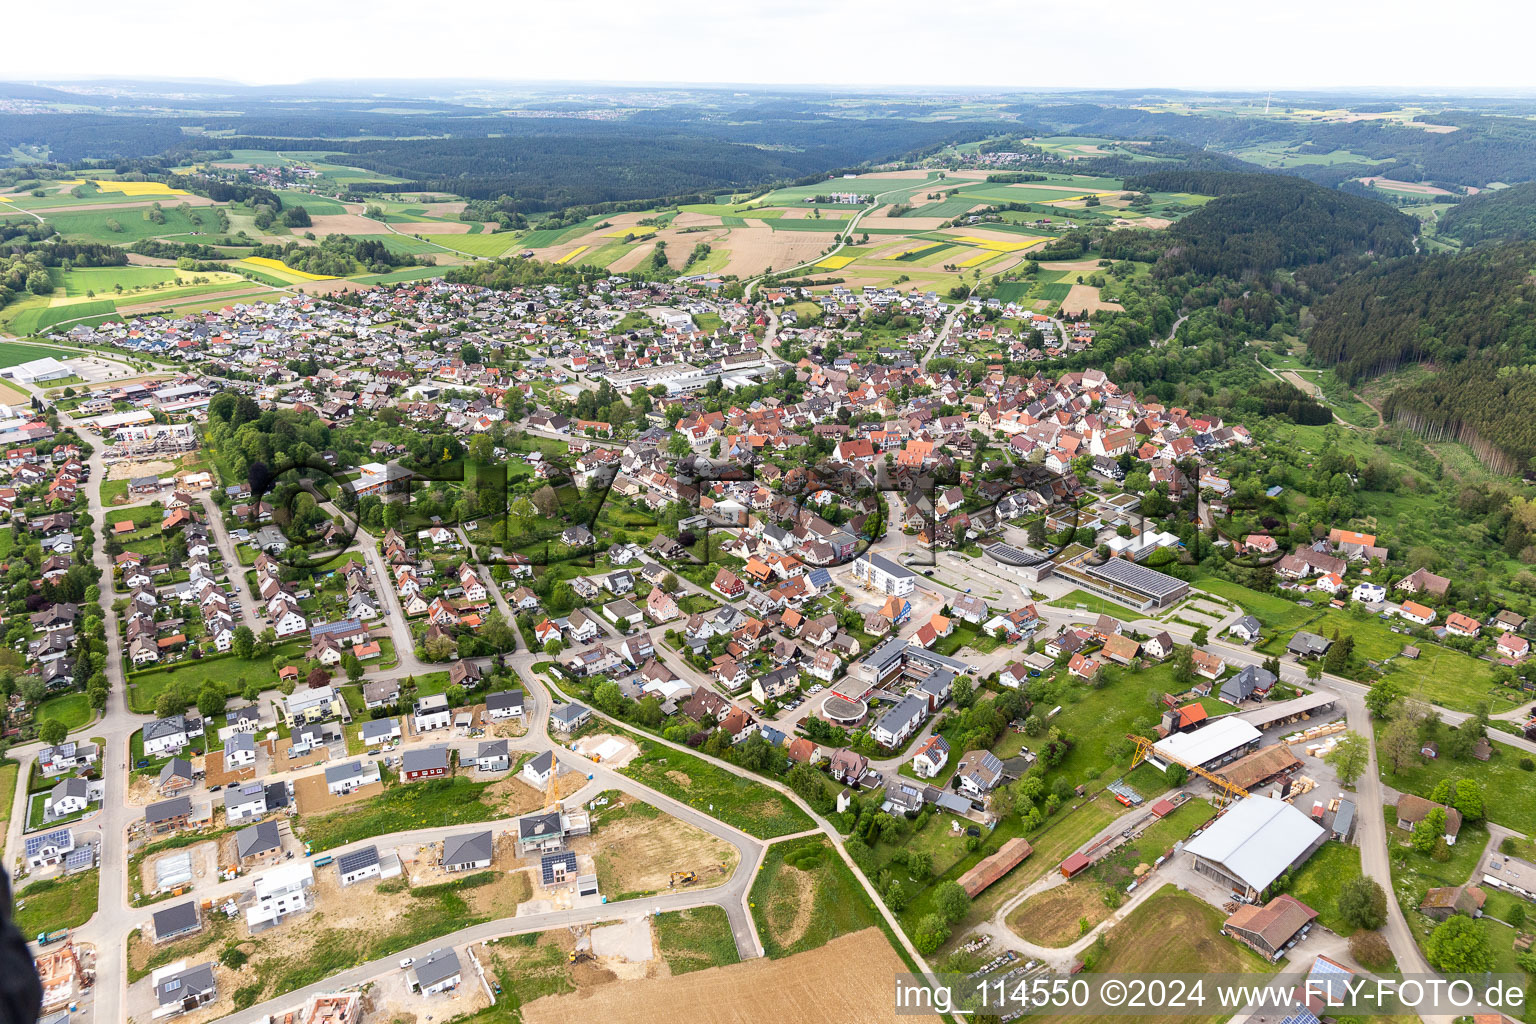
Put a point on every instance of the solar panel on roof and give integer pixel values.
(349, 862)
(80, 857)
(550, 862)
(1136, 577)
(1302, 1017)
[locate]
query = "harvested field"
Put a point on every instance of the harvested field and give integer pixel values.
(1073, 267)
(909, 224)
(1053, 918)
(636, 256)
(1143, 222)
(689, 219)
(755, 249)
(139, 260)
(344, 224)
(848, 980)
(1085, 298)
(141, 203)
(193, 300)
(312, 797)
(636, 847)
(1418, 188)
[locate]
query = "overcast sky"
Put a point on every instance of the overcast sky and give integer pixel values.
(1215, 44)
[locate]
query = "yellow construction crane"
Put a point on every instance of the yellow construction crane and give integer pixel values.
(1225, 790)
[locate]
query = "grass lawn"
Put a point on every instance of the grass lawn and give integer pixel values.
(225, 669)
(1172, 932)
(56, 903)
(691, 940)
(966, 635)
(1093, 604)
(1275, 614)
(401, 808)
(35, 812)
(745, 803)
(1508, 792)
(73, 709)
(805, 896)
(113, 491)
(13, 353)
(8, 773)
(1317, 882)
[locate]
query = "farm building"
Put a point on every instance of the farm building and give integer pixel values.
(1260, 766)
(1220, 742)
(1073, 864)
(1009, 856)
(1269, 928)
(1253, 843)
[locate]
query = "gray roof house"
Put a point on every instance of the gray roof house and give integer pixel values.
(468, 851)
(178, 920)
(1242, 686)
(1246, 627)
(437, 972)
(569, 717)
(185, 990)
(258, 840)
(380, 730)
(1308, 645)
(504, 704)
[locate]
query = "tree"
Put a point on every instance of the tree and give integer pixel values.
(211, 700)
(318, 677)
(1399, 745)
(678, 446)
(1429, 830)
(1363, 903)
(951, 901)
(170, 702)
(244, 643)
(895, 896)
(353, 667)
(1468, 799)
(608, 697)
(553, 647)
(53, 732)
(1176, 775)
(1349, 757)
(1459, 945)
(1381, 696)
(919, 865)
(964, 693)
(931, 933)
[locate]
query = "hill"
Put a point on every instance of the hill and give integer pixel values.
(1508, 214)
(1264, 222)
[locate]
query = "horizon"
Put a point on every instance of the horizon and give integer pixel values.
(1196, 43)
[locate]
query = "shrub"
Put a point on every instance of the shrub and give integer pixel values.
(1371, 950)
(1527, 765)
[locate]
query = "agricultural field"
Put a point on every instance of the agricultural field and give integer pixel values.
(128, 225)
(741, 802)
(805, 896)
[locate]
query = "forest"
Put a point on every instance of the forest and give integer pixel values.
(1506, 214)
(1446, 309)
(1264, 222)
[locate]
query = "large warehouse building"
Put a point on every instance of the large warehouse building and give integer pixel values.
(1254, 843)
(1219, 743)
(1123, 580)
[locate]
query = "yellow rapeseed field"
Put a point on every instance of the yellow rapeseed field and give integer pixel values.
(140, 188)
(573, 254)
(836, 262)
(269, 263)
(994, 245)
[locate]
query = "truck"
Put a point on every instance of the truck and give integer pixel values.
(44, 938)
(321, 862)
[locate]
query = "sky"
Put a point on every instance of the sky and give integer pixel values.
(1194, 44)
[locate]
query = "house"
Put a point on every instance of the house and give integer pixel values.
(538, 771)
(437, 972)
(380, 693)
(431, 712)
(44, 851)
(380, 730)
(1415, 612)
(168, 735)
(1085, 667)
(465, 674)
(239, 751)
(69, 797)
(848, 767)
(1422, 580)
(469, 851)
(978, 772)
(930, 758)
(1413, 809)
(1207, 664)
(878, 573)
(504, 704)
(279, 893)
(1512, 647)
(568, 718)
(803, 751)
(1122, 650)
(775, 684)
(174, 922)
(311, 704)
(1368, 593)
(182, 989)
(168, 815)
(176, 776)
(424, 763)
(728, 584)
(66, 757)
(343, 779)
(1308, 645)
(1251, 681)
(358, 865)
(1014, 675)
(1246, 629)
(1508, 621)
(244, 802)
(492, 756)
(259, 844)
(1458, 624)
(661, 606)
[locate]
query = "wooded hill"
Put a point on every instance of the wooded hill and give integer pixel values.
(1470, 314)
(1264, 222)
(1508, 214)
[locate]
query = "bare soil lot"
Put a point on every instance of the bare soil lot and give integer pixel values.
(347, 224)
(312, 796)
(639, 851)
(1053, 918)
(1085, 298)
(848, 980)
